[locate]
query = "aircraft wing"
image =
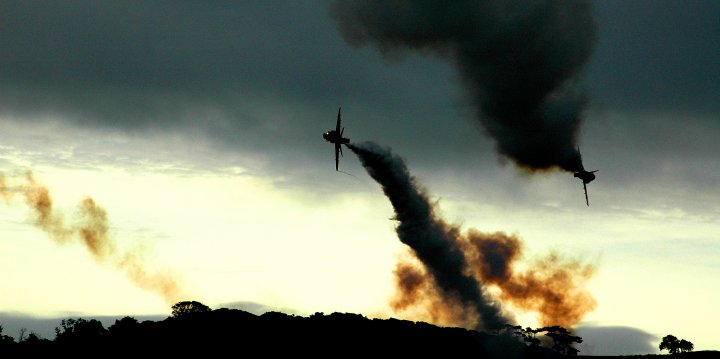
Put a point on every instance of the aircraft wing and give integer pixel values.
(337, 152)
(586, 196)
(337, 127)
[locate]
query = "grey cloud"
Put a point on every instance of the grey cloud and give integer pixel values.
(611, 340)
(133, 63)
(647, 161)
(256, 308)
(259, 81)
(657, 56)
(259, 78)
(13, 322)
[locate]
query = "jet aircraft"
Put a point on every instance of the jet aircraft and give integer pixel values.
(335, 136)
(585, 176)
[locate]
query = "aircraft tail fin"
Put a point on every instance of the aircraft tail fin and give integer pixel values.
(582, 168)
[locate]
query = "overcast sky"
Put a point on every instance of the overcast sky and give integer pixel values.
(197, 126)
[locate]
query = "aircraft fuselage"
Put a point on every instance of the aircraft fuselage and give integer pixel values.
(585, 176)
(333, 136)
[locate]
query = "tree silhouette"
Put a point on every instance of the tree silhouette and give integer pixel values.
(529, 336)
(183, 309)
(562, 339)
(124, 327)
(80, 330)
(33, 338)
(22, 335)
(5, 339)
(686, 346)
(674, 345)
(513, 330)
(670, 343)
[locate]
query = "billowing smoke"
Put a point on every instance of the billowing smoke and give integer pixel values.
(430, 238)
(517, 60)
(418, 296)
(447, 282)
(552, 287)
(90, 227)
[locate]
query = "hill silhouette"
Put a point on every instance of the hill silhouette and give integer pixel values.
(234, 332)
(222, 331)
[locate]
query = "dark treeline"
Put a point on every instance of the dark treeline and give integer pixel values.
(210, 333)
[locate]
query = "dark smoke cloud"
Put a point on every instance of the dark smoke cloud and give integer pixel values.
(447, 280)
(428, 236)
(517, 61)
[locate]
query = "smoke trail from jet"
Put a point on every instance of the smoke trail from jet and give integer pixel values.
(517, 61)
(448, 282)
(429, 237)
(90, 227)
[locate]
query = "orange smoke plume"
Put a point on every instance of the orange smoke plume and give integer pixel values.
(418, 297)
(553, 287)
(91, 229)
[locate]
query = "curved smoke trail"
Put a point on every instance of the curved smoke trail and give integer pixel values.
(428, 236)
(450, 283)
(90, 227)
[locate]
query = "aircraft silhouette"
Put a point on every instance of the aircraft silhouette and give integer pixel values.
(585, 176)
(335, 136)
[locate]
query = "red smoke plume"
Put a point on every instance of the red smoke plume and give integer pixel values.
(90, 228)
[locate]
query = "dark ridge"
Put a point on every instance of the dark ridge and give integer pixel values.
(231, 332)
(703, 354)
